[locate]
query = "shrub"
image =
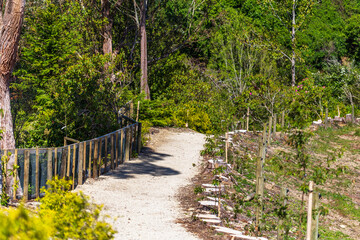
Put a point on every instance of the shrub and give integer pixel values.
(73, 216)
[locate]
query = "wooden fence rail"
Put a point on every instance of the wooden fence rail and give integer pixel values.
(78, 161)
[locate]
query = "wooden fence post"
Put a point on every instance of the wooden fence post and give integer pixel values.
(49, 165)
(139, 138)
(16, 174)
(274, 125)
(90, 157)
(269, 134)
(126, 144)
(283, 194)
(260, 175)
(131, 109)
(112, 149)
(117, 148)
(80, 164)
(95, 158)
(137, 111)
(309, 213)
(37, 189)
(68, 162)
(122, 149)
(84, 158)
(99, 163)
(106, 152)
(73, 166)
(63, 162)
(55, 162)
(247, 118)
(26, 175)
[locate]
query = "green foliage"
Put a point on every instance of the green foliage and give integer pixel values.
(74, 217)
(20, 223)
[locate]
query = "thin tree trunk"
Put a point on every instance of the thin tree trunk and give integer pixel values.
(10, 25)
(144, 66)
(293, 59)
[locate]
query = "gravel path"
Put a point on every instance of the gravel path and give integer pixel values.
(140, 196)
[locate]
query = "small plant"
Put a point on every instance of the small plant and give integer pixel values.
(6, 173)
(198, 189)
(357, 132)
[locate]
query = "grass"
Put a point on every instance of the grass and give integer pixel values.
(332, 235)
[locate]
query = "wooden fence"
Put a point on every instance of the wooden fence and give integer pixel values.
(78, 161)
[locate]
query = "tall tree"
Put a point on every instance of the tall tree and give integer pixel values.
(143, 45)
(10, 26)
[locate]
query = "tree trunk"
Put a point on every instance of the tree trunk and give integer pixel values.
(293, 57)
(10, 25)
(107, 31)
(144, 66)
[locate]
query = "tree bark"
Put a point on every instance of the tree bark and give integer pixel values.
(143, 45)
(11, 23)
(107, 31)
(293, 57)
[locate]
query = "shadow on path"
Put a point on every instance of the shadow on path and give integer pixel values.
(145, 164)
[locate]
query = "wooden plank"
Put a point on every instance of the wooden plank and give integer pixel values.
(106, 153)
(112, 149)
(55, 162)
(68, 162)
(49, 166)
(80, 164)
(15, 175)
(73, 166)
(26, 175)
(90, 157)
(117, 148)
(95, 172)
(137, 111)
(37, 188)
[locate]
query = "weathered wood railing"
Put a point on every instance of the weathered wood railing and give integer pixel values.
(78, 161)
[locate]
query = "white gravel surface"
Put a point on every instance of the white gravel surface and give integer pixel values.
(140, 196)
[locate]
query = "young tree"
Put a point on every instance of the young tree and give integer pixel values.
(289, 16)
(143, 45)
(11, 19)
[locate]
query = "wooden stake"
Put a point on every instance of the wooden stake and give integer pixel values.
(137, 111)
(49, 166)
(37, 189)
(15, 175)
(281, 221)
(309, 213)
(64, 154)
(73, 166)
(260, 175)
(126, 144)
(26, 175)
(226, 147)
(247, 118)
(315, 223)
(274, 125)
(338, 111)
